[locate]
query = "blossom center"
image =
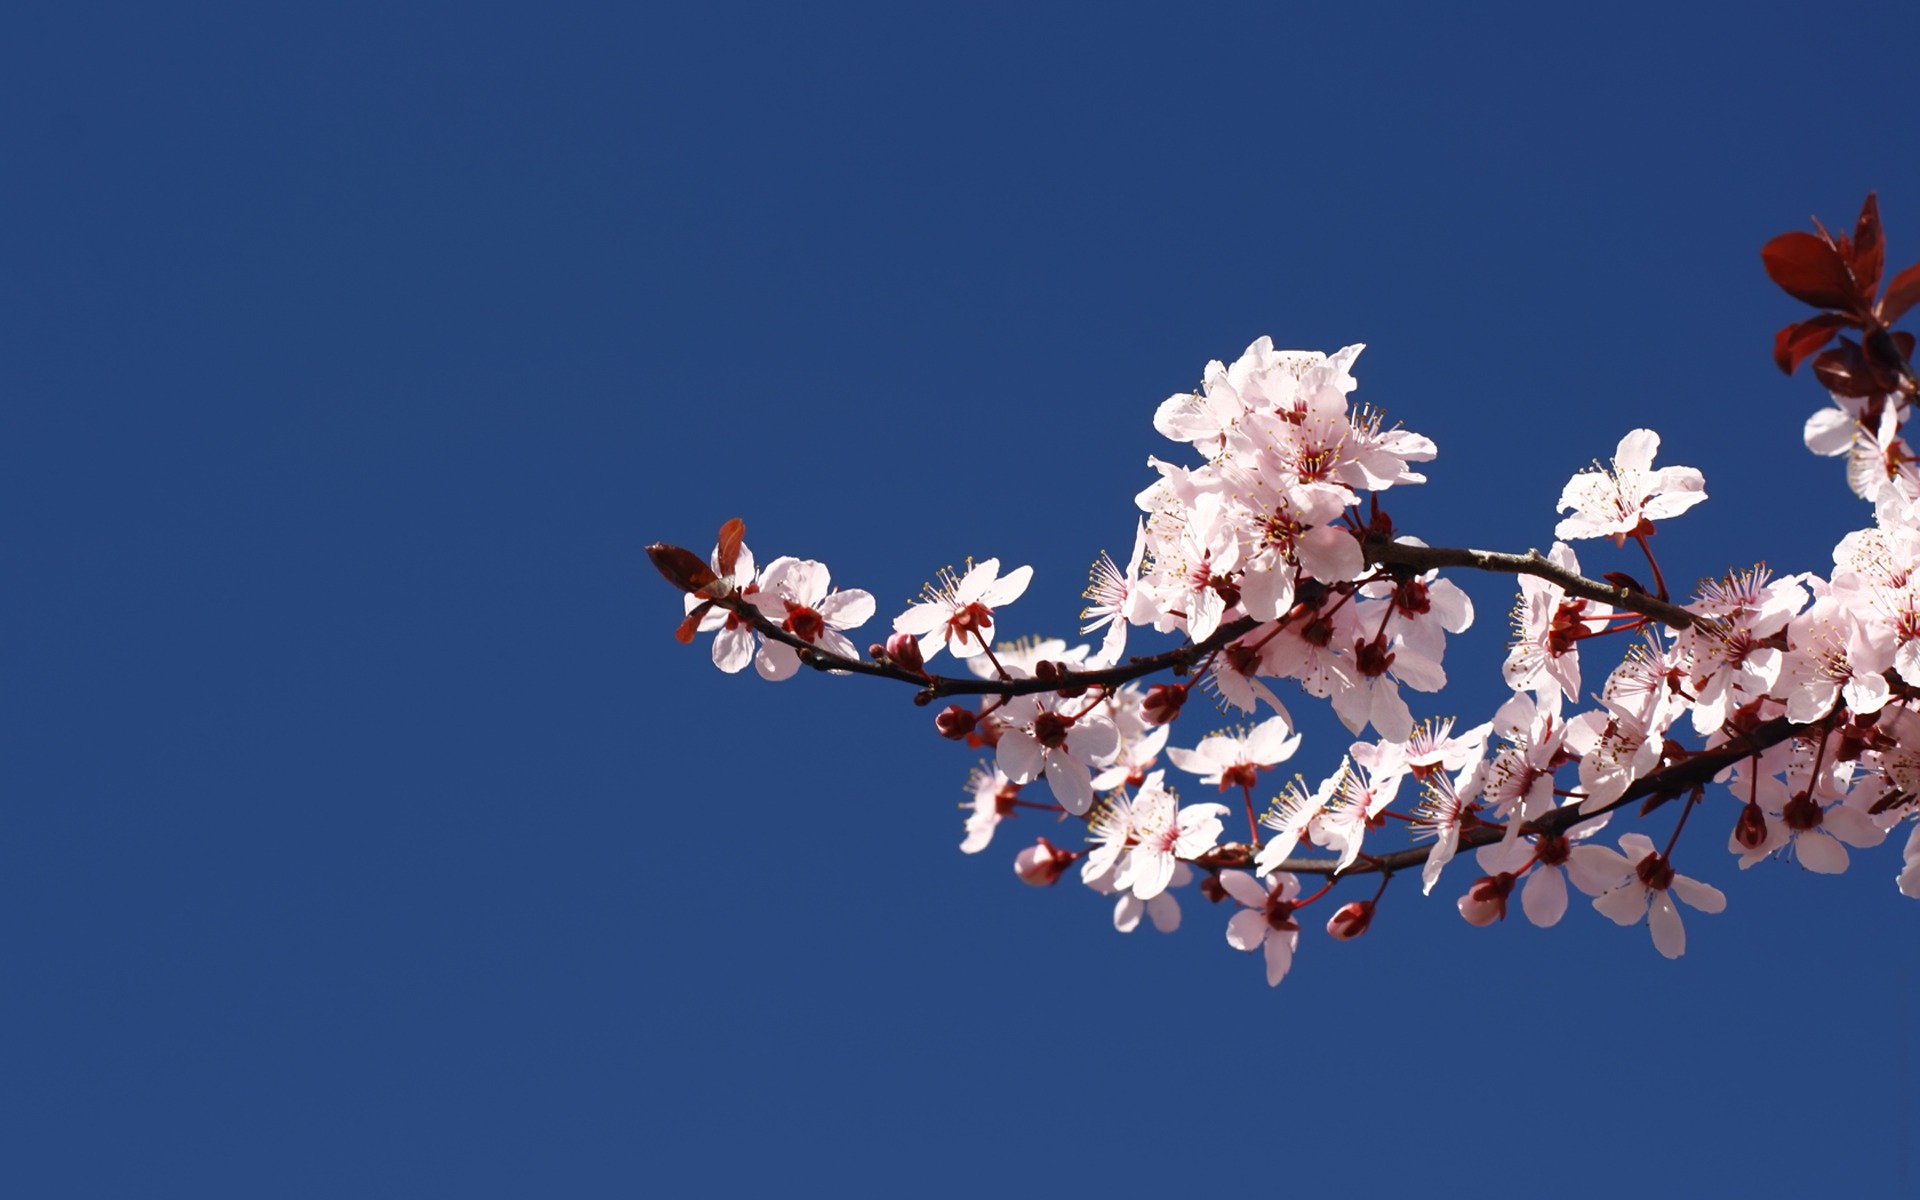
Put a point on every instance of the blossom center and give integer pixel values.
(1655, 872)
(803, 622)
(1801, 813)
(1050, 730)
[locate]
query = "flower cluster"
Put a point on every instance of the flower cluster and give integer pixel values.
(1268, 558)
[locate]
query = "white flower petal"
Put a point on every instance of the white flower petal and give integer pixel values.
(1544, 897)
(1669, 936)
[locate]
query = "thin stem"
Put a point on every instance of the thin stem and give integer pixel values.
(1659, 583)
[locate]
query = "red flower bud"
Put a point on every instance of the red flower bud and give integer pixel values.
(1040, 864)
(1351, 921)
(955, 722)
(1162, 703)
(903, 650)
(1486, 901)
(1750, 831)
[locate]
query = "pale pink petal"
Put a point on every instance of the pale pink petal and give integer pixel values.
(1595, 869)
(1246, 930)
(733, 648)
(1072, 782)
(776, 661)
(1636, 450)
(1164, 911)
(1829, 432)
(1544, 897)
(1092, 737)
(1193, 761)
(922, 619)
(1852, 826)
(1279, 955)
(1019, 756)
(1820, 854)
(1669, 936)
(1330, 554)
(1272, 741)
(806, 582)
(1244, 888)
(848, 610)
(1623, 905)
(1152, 872)
(1007, 588)
(1701, 896)
(1392, 719)
(1126, 914)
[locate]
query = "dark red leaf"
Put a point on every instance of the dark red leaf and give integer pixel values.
(1868, 254)
(1810, 270)
(682, 568)
(731, 535)
(1901, 295)
(1844, 371)
(1799, 341)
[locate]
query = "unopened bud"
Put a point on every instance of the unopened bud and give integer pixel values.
(1040, 864)
(903, 650)
(1351, 921)
(1486, 901)
(1750, 831)
(1212, 889)
(1163, 703)
(954, 722)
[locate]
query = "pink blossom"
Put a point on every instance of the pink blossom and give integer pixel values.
(958, 613)
(1059, 738)
(1646, 888)
(1266, 920)
(794, 594)
(1613, 503)
(1548, 626)
(1235, 758)
(993, 800)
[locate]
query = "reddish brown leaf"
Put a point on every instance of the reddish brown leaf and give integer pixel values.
(1868, 253)
(691, 625)
(1901, 295)
(1844, 371)
(682, 568)
(731, 535)
(1809, 270)
(1799, 341)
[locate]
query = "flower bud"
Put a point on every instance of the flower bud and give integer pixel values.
(1351, 921)
(1750, 831)
(1162, 703)
(903, 650)
(1486, 901)
(954, 722)
(1040, 864)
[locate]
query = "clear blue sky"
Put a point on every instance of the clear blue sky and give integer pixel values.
(364, 831)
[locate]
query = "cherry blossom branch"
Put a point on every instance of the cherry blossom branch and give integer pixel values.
(1179, 660)
(1695, 770)
(1531, 563)
(1182, 659)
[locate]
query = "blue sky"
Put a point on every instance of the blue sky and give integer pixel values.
(366, 832)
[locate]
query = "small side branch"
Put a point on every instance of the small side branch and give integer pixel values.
(1399, 554)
